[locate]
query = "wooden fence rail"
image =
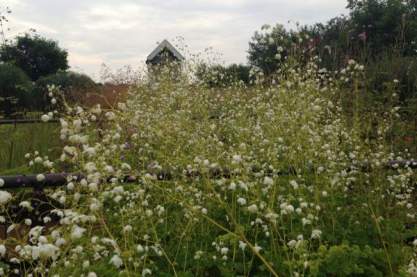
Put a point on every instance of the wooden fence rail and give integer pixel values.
(61, 179)
(25, 121)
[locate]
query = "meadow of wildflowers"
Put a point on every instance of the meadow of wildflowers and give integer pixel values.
(266, 180)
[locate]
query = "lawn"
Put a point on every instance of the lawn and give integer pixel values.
(18, 140)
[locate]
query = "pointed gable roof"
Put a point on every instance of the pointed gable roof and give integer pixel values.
(165, 45)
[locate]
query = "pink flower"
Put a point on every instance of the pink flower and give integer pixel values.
(363, 36)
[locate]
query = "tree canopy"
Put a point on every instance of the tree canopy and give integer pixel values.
(35, 55)
(372, 28)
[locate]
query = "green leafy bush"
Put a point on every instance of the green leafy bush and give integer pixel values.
(72, 84)
(222, 76)
(15, 90)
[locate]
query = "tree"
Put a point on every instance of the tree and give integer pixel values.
(15, 89)
(4, 12)
(74, 85)
(269, 47)
(385, 24)
(35, 55)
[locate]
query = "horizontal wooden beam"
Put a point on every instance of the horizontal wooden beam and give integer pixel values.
(31, 181)
(25, 121)
(61, 179)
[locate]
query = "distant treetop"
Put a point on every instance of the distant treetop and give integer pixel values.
(35, 55)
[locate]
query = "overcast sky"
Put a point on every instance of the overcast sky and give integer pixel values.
(124, 32)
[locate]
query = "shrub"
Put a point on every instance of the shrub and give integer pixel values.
(223, 76)
(15, 90)
(73, 85)
(389, 68)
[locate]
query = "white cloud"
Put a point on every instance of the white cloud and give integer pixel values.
(118, 32)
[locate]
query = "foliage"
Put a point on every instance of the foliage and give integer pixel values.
(15, 89)
(73, 85)
(346, 260)
(221, 76)
(268, 48)
(388, 68)
(35, 55)
(385, 24)
(374, 28)
(264, 180)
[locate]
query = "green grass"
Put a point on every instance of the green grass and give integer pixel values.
(17, 140)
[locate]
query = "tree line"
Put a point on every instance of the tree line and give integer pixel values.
(381, 34)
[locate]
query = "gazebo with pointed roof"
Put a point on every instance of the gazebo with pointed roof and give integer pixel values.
(164, 53)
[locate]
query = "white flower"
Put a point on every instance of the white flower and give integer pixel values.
(95, 205)
(127, 228)
(289, 208)
(40, 177)
(241, 201)
(294, 184)
(292, 243)
(93, 186)
(253, 208)
(237, 159)
(257, 248)
(92, 274)
(60, 242)
(126, 166)
(70, 186)
(316, 108)
(4, 197)
(1, 182)
(116, 261)
(109, 169)
(306, 221)
(315, 234)
(38, 160)
(232, 186)
(90, 167)
(2, 250)
(146, 271)
(45, 251)
(90, 151)
(242, 245)
(224, 250)
(96, 109)
(45, 118)
(77, 232)
(140, 248)
(268, 181)
(110, 115)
